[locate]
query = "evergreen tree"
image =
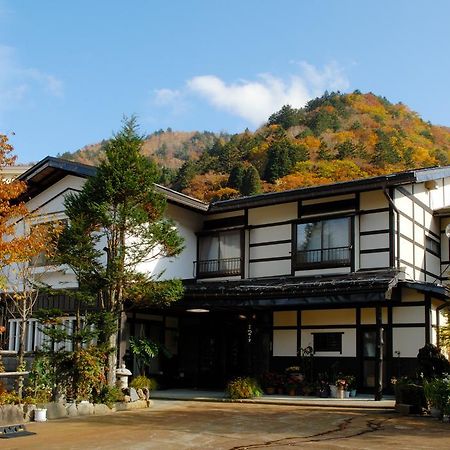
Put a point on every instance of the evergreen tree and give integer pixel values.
(119, 218)
(236, 177)
(187, 171)
(251, 183)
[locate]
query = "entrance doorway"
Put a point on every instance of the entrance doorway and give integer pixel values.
(367, 357)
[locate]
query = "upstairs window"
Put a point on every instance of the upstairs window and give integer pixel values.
(220, 254)
(324, 243)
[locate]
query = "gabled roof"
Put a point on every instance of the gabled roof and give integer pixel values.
(49, 171)
(346, 187)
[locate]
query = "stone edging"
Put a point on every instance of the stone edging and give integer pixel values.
(15, 414)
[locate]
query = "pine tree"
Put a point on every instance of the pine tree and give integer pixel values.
(251, 183)
(119, 218)
(236, 177)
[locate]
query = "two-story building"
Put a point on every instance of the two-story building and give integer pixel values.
(355, 270)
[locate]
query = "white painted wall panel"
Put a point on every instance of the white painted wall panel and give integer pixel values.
(403, 203)
(269, 268)
(348, 341)
(187, 223)
(374, 260)
(284, 318)
(408, 341)
(375, 241)
(270, 251)
(284, 342)
(269, 234)
(408, 314)
(374, 221)
(271, 214)
(329, 317)
(411, 295)
(373, 200)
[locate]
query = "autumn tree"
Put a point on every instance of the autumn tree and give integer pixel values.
(21, 242)
(117, 223)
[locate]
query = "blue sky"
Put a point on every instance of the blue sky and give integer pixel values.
(69, 70)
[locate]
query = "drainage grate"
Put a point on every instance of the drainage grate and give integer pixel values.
(13, 431)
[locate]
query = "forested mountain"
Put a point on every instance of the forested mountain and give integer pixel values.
(169, 148)
(336, 137)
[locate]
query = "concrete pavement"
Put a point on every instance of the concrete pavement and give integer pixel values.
(233, 426)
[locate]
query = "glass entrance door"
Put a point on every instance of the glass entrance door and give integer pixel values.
(368, 337)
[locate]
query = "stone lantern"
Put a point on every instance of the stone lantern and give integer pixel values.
(122, 374)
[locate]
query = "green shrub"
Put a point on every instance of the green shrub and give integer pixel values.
(409, 393)
(9, 398)
(437, 392)
(244, 387)
(108, 395)
(141, 382)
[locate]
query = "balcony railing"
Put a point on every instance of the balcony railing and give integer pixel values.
(323, 257)
(218, 267)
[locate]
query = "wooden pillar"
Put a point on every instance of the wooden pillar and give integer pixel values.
(379, 355)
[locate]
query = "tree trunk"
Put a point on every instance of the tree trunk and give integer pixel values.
(112, 359)
(21, 355)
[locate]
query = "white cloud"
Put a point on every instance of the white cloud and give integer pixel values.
(166, 97)
(17, 83)
(255, 100)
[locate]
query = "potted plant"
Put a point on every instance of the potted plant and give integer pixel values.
(437, 394)
(341, 384)
(291, 386)
(270, 381)
(294, 373)
(351, 385)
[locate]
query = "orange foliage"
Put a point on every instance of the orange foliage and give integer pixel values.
(13, 215)
(204, 186)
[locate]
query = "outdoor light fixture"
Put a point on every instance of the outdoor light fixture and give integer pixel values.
(198, 310)
(447, 230)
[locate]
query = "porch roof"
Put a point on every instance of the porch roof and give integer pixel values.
(284, 292)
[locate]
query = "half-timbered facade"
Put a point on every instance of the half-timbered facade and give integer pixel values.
(355, 270)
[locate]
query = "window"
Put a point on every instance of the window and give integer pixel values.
(324, 243)
(220, 254)
(35, 338)
(327, 342)
(433, 246)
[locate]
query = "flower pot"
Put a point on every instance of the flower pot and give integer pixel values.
(353, 393)
(346, 394)
(435, 412)
(341, 393)
(292, 392)
(40, 415)
(333, 391)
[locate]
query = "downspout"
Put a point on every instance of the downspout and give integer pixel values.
(395, 209)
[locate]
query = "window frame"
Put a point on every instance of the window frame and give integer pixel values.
(324, 334)
(219, 273)
(323, 264)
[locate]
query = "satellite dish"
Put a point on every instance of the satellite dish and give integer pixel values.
(447, 230)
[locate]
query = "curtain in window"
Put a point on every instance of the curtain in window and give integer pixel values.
(335, 233)
(230, 245)
(209, 248)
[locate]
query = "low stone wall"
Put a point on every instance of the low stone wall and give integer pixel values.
(15, 414)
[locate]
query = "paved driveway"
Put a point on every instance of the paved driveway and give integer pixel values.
(196, 425)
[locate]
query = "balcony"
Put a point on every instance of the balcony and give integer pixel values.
(323, 257)
(211, 268)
